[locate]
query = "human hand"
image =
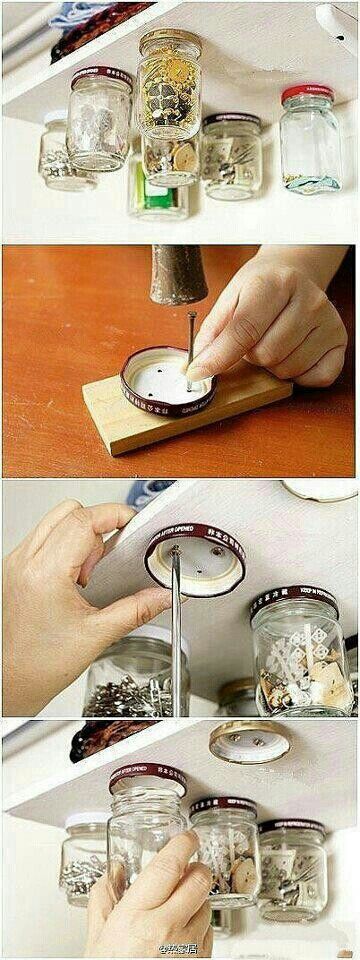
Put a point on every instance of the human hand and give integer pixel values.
(51, 633)
(167, 904)
(274, 314)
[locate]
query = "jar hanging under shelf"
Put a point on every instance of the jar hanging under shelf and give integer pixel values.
(99, 118)
(310, 140)
(351, 644)
(171, 163)
(146, 814)
(83, 855)
(169, 85)
(133, 677)
(294, 870)
(229, 846)
(300, 660)
(231, 156)
(55, 166)
(150, 201)
(237, 699)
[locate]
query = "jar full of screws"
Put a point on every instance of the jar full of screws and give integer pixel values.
(231, 156)
(99, 118)
(133, 677)
(169, 85)
(55, 166)
(146, 805)
(300, 659)
(310, 140)
(229, 846)
(294, 870)
(83, 855)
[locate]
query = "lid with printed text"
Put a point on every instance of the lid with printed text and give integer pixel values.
(122, 778)
(314, 89)
(212, 562)
(111, 73)
(292, 824)
(223, 803)
(154, 380)
(295, 592)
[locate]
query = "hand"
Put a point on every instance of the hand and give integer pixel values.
(51, 633)
(166, 904)
(275, 315)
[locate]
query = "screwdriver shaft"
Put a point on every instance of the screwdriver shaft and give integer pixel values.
(176, 632)
(191, 318)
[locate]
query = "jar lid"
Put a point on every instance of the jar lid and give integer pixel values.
(153, 772)
(212, 562)
(289, 824)
(169, 34)
(223, 803)
(249, 741)
(218, 117)
(153, 632)
(154, 381)
(54, 115)
(297, 592)
(323, 491)
(314, 89)
(233, 687)
(112, 73)
(352, 643)
(89, 816)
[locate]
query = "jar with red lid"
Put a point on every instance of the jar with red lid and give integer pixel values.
(99, 118)
(146, 814)
(310, 140)
(300, 659)
(229, 846)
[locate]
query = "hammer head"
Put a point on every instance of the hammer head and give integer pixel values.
(177, 274)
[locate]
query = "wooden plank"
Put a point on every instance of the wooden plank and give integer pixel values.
(124, 427)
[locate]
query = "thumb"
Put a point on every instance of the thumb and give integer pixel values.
(123, 616)
(100, 906)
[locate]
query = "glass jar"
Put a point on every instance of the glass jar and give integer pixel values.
(229, 846)
(231, 156)
(54, 162)
(147, 813)
(83, 855)
(237, 699)
(99, 118)
(352, 651)
(169, 85)
(294, 870)
(154, 202)
(171, 163)
(300, 660)
(133, 677)
(310, 140)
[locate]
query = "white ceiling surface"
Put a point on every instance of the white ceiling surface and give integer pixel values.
(14, 14)
(250, 52)
(304, 783)
(287, 540)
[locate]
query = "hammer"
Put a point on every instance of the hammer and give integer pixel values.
(178, 277)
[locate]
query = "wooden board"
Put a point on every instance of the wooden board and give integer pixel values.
(124, 427)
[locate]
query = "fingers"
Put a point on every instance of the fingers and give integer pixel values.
(323, 373)
(74, 538)
(125, 615)
(308, 353)
(219, 315)
(159, 879)
(99, 907)
(191, 896)
(283, 336)
(208, 943)
(38, 535)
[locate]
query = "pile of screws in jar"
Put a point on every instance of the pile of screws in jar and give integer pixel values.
(302, 671)
(290, 878)
(230, 862)
(78, 877)
(128, 699)
(56, 164)
(228, 160)
(170, 156)
(170, 91)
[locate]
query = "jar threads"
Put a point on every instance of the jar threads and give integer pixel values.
(231, 156)
(294, 870)
(310, 140)
(227, 830)
(169, 84)
(99, 118)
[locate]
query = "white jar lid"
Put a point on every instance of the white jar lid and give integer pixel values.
(92, 816)
(322, 490)
(212, 561)
(154, 381)
(55, 115)
(154, 632)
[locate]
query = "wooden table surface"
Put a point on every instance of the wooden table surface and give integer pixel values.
(71, 316)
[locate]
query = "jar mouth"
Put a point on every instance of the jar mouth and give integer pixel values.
(110, 73)
(312, 826)
(227, 117)
(157, 36)
(297, 593)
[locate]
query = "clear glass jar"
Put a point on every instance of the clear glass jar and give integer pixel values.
(229, 846)
(294, 870)
(231, 156)
(54, 162)
(300, 660)
(83, 855)
(99, 118)
(154, 202)
(310, 140)
(352, 651)
(133, 677)
(171, 163)
(237, 699)
(147, 813)
(169, 85)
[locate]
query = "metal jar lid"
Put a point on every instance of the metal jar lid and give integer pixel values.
(169, 34)
(249, 741)
(112, 73)
(153, 772)
(154, 381)
(228, 691)
(223, 803)
(314, 89)
(212, 561)
(295, 592)
(299, 824)
(223, 117)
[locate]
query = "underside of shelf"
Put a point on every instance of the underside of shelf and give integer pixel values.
(317, 778)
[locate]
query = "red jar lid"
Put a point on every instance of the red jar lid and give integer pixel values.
(314, 89)
(296, 592)
(156, 770)
(112, 73)
(223, 803)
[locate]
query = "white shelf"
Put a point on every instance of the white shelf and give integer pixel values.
(305, 783)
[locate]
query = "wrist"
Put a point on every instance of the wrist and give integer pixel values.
(317, 263)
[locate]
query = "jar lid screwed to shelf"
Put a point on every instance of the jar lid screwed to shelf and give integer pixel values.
(154, 380)
(295, 592)
(213, 563)
(167, 33)
(219, 117)
(243, 686)
(249, 741)
(292, 824)
(223, 803)
(314, 89)
(153, 772)
(112, 73)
